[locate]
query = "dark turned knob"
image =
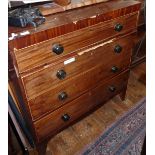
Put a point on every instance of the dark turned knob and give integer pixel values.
(112, 88)
(114, 69)
(117, 49)
(118, 27)
(65, 117)
(61, 74)
(62, 96)
(58, 49)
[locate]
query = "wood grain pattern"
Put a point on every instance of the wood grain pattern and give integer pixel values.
(51, 8)
(81, 3)
(41, 54)
(62, 23)
(62, 2)
(52, 123)
(49, 101)
(40, 81)
(42, 91)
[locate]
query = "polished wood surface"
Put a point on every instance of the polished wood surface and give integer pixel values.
(63, 2)
(43, 96)
(51, 8)
(49, 101)
(45, 79)
(62, 23)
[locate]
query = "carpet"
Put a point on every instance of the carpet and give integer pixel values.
(123, 137)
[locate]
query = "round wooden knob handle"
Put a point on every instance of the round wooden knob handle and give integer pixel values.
(112, 88)
(65, 117)
(62, 96)
(117, 49)
(118, 27)
(61, 74)
(58, 49)
(114, 69)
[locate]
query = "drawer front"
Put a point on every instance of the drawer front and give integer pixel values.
(41, 81)
(62, 117)
(43, 53)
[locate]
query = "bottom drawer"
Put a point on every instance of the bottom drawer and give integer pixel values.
(62, 117)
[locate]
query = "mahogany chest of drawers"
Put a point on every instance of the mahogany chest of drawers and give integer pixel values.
(72, 64)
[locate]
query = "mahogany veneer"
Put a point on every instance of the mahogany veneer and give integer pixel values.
(72, 64)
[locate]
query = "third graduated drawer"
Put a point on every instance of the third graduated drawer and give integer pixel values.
(102, 65)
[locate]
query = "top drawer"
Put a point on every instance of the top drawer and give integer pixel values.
(44, 53)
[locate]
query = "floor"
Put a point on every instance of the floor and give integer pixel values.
(76, 137)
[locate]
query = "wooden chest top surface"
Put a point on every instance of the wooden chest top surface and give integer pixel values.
(69, 21)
